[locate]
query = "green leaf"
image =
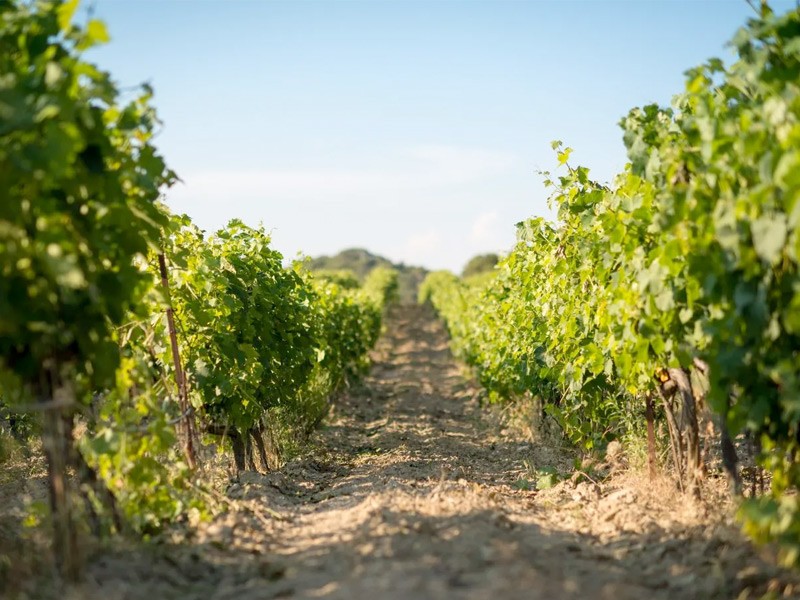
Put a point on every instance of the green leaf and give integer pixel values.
(769, 236)
(66, 11)
(97, 32)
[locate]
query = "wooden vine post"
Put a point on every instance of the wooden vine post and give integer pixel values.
(651, 435)
(57, 404)
(680, 410)
(185, 424)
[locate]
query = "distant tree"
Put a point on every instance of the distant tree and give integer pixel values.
(343, 277)
(357, 260)
(480, 264)
(361, 263)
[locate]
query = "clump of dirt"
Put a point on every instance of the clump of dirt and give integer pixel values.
(413, 489)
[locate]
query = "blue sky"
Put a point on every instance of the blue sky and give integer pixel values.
(414, 129)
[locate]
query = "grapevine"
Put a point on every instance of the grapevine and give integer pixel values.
(679, 280)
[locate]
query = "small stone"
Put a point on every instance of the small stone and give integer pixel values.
(614, 451)
(623, 496)
(220, 532)
(425, 527)
(586, 491)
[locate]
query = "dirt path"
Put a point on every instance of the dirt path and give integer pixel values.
(410, 493)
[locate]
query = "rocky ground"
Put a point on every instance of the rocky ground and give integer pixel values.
(413, 490)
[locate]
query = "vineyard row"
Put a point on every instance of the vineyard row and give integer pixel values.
(677, 283)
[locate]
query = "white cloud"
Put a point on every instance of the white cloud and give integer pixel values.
(420, 246)
(424, 167)
(485, 228)
(424, 204)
